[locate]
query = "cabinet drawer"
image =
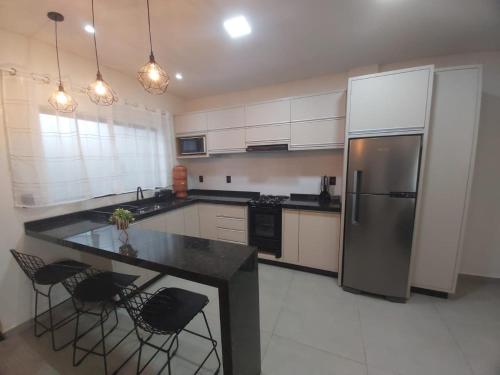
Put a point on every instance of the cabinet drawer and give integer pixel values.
(231, 235)
(268, 134)
(318, 134)
(231, 223)
(238, 212)
(318, 107)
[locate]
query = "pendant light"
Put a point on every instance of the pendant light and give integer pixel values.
(99, 91)
(151, 76)
(60, 100)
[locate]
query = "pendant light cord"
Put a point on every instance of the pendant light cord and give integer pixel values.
(149, 28)
(57, 54)
(95, 40)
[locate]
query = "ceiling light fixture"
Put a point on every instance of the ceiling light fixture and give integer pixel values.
(89, 28)
(152, 77)
(178, 76)
(237, 27)
(60, 100)
(99, 91)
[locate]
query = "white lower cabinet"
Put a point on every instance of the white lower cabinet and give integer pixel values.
(311, 239)
(317, 134)
(290, 236)
(319, 240)
(207, 216)
(175, 221)
(191, 221)
(223, 222)
(157, 222)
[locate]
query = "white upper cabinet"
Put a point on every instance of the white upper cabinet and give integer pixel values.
(317, 107)
(226, 118)
(317, 134)
(268, 134)
(273, 112)
(226, 141)
(390, 102)
(191, 123)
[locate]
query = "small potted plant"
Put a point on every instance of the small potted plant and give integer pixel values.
(122, 219)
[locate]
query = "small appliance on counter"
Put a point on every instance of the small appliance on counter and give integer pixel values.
(163, 194)
(324, 196)
(180, 181)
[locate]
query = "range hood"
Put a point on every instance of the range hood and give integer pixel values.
(267, 148)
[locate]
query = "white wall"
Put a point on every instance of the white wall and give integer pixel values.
(268, 173)
(33, 56)
(481, 255)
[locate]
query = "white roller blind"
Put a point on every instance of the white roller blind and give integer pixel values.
(93, 152)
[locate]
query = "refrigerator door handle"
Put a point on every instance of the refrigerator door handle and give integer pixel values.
(355, 202)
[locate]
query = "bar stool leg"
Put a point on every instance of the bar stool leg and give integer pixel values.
(104, 343)
(138, 371)
(36, 316)
(75, 341)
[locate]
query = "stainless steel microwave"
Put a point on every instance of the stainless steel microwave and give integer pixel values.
(194, 145)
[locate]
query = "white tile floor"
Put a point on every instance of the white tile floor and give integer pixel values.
(310, 326)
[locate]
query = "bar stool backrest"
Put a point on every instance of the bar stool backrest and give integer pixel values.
(134, 301)
(30, 264)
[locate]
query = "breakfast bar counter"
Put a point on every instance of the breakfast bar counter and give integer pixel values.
(231, 268)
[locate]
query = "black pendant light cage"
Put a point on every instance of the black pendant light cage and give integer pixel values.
(152, 77)
(60, 100)
(99, 91)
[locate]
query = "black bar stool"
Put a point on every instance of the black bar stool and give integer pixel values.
(166, 312)
(48, 275)
(95, 293)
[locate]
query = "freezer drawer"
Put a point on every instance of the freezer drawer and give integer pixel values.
(377, 244)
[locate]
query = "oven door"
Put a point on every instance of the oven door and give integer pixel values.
(264, 229)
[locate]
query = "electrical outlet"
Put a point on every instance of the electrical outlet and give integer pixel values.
(333, 181)
(200, 178)
(228, 179)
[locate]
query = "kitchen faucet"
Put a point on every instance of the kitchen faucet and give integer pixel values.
(139, 190)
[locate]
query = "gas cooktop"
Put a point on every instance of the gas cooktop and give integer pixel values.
(268, 201)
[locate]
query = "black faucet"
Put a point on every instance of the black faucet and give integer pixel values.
(139, 190)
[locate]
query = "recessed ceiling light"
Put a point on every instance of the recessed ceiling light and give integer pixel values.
(178, 76)
(237, 26)
(89, 28)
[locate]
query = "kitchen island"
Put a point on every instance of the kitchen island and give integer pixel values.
(231, 268)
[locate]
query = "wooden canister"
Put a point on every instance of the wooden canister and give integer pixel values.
(180, 181)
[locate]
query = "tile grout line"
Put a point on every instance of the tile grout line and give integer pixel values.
(320, 349)
(271, 333)
(283, 303)
(362, 337)
(443, 320)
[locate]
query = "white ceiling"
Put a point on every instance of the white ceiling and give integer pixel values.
(291, 39)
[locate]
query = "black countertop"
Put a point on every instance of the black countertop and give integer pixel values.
(201, 260)
(312, 203)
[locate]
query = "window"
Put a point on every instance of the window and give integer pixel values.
(99, 158)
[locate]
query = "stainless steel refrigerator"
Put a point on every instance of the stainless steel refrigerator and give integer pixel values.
(382, 179)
